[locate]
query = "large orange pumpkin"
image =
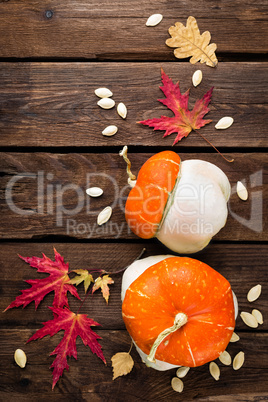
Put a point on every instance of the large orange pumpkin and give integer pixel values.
(187, 297)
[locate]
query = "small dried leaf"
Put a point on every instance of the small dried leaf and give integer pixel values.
(258, 315)
(103, 92)
(20, 358)
(238, 360)
(122, 364)
(189, 42)
(254, 293)
(103, 282)
(83, 276)
(94, 191)
(109, 131)
(224, 122)
(234, 338)
(177, 384)
(104, 215)
(249, 319)
(214, 370)
(182, 371)
(197, 77)
(154, 20)
(241, 190)
(122, 110)
(225, 358)
(106, 103)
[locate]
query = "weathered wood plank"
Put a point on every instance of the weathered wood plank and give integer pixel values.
(114, 30)
(90, 380)
(243, 265)
(44, 194)
(54, 104)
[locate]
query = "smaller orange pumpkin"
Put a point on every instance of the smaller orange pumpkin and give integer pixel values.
(179, 310)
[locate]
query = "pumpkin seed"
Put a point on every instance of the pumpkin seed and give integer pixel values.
(20, 358)
(234, 337)
(94, 191)
(238, 360)
(109, 131)
(254, 293)
(225, 358)
(177, 384)
(104, 215)
(182, 371)
(241, 190)
(106, 103)
(103, 92)
(197, 77)
(258, 315)
(154, 19)
(214, 370)
(122, 110)
(224, 123)
(249, 319)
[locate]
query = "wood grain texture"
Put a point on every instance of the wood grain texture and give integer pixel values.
(88, 379)
(53, 104)
(105, 30)
(243, 265)
(43, 194)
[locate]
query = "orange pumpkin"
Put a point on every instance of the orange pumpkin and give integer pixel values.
(179, 310)
(183, 204)
(147, 200)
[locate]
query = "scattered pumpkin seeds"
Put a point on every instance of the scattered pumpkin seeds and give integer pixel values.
(104, 215)
(238, 360)
(214, 370)
(224, 122)
(258, 315)
(197, 77)
(234, 337)
(177, 384)
(241, 190)
(20, 358)
(254, 293)
(182, 371)
(249, 319)
(106, 103)
(94, 191)
(122, 110)
(154, 20)
(225, 358)
(109, 131)
(103, 92)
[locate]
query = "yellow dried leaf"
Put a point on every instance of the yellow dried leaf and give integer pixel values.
(190, 43)
(103, 282)
(122, 364)
(83, 275)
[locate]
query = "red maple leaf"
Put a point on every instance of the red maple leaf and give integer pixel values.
(55, 282)
(184, 120)
(74, 325)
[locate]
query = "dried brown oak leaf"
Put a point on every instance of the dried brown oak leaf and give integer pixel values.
(122, 364)
(189, 42)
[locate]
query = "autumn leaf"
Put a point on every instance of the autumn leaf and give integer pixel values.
(56, 282)
(74, 325)
(189, 42)
(103, 282)
(122, 364)
(184, 120)
(83, 276)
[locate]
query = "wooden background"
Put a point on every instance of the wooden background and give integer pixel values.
(53, 55)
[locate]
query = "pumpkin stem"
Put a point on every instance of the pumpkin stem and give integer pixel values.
(179, 321)
(131, 176)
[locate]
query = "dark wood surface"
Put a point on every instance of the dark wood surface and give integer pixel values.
(53, 55)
